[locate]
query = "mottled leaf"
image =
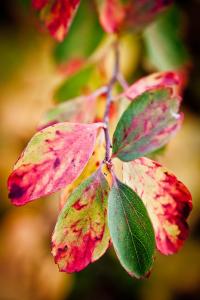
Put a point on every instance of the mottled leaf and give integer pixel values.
(167, 200)
(164, 43)
(93, 164)
(147, 124)
(81, 235)
(57, 15)
(131, 230)
(78, 110)
(155, 80)
(118, 14)
(53, 158)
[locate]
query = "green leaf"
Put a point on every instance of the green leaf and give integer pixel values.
(74, 85)
(164, 45)
(81, 234)
(131, 230)
(147, 124)
(83, 82)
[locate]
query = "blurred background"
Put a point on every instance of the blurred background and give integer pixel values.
(35, 72)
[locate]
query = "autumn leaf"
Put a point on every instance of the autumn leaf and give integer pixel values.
(78, 110)
(147, 124)
(53, 158)
(81, 235)
(112, 14)
(156, 80)
(167, 200)
(57, 15)
(131, 231)
(91, 167)
(118, 14)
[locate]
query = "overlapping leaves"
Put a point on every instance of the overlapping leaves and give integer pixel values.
(153, 207)
(167, 200)
(113, 14)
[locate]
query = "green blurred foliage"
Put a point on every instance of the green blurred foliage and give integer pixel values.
(75, 85)
(165, 49)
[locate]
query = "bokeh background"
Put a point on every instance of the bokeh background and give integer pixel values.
(32, 67)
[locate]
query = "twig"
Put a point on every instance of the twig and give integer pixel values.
(98, 92)
(108, 104)
(122, 81)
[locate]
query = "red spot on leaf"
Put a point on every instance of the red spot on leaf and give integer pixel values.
(56, 163)
(16, 191)
(97, 164)
(78, 205)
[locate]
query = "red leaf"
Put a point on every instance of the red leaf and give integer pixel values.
(58, 15)
(115, 14)
(167, 200)
(112, 15)
(39, 4)
(53, 158)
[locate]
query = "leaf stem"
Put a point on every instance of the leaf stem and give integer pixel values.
(108, 104)
(122, 81)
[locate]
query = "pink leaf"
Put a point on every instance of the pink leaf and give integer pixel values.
(117, 14)
(156, 80)
(53, 158)
(112, 15)
(167, 200)
(58, 15)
